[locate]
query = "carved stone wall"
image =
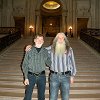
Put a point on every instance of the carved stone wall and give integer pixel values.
(71, 10)
(19, 8)
(83, 8)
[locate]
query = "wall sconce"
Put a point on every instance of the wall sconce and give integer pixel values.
(31, 29)
(70, 31)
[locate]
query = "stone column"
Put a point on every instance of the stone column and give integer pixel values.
(70, 14)
(4, 14)
(64, 14)
(97, 14)
(32, 15)
(1, 7)
(74, 19)
(40, 25)
(10, 19)
(37, 23)
(93, 13)
(29, 16)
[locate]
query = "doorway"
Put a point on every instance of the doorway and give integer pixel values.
(50, 25)
(20, 24)
(81, 24)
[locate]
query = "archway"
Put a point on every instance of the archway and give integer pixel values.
(20, 24)
(49, 21)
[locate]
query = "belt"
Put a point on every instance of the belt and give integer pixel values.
(43, 72)
(62, 73)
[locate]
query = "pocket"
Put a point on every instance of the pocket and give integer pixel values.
(53, 77)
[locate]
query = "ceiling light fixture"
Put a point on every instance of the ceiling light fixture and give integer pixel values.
(51, 5)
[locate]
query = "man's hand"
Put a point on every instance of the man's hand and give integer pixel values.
(26, 82)
(28, 48)
(71, 79)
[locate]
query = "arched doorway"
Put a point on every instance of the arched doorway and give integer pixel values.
(51, 25)
(51, 18)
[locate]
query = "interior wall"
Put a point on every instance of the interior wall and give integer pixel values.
(71, 9)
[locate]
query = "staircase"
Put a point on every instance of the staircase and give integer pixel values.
(87, 80)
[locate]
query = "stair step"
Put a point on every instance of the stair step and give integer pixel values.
(87, 80)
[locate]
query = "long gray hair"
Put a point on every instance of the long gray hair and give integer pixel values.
(65, 39)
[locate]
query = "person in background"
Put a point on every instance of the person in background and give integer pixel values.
(33, 66)
(63, 68)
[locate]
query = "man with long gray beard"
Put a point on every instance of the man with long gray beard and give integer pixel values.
(63, 69)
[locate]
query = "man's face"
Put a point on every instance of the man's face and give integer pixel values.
(60, 38)
(60, 45)
(39, 41)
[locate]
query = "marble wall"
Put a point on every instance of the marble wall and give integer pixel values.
(30, 9)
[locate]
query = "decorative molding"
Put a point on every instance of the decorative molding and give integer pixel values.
(83, 8)
(18, 11)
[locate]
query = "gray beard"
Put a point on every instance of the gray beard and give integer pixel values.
(60, 48)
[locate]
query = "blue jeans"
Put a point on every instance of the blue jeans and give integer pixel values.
(41, 83)
(61, 82)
